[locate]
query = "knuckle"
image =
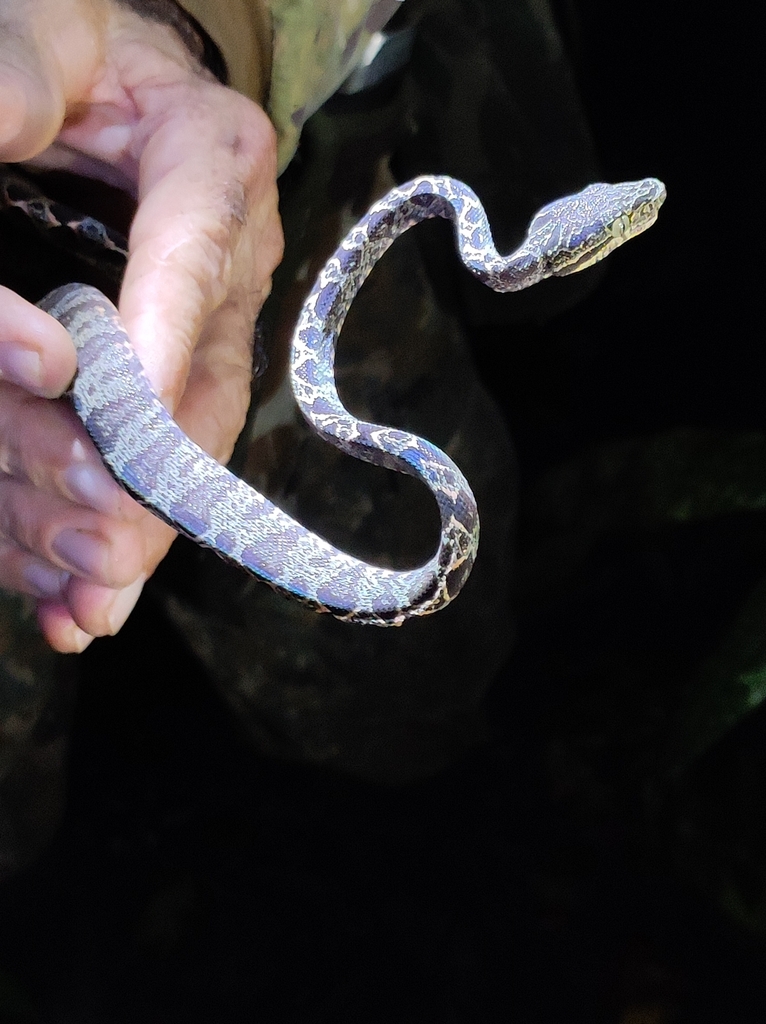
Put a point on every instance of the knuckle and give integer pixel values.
(17, 525)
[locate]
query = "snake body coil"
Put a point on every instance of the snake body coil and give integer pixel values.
(166, 471)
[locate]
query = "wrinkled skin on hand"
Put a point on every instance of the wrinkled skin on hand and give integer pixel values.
(91, 87)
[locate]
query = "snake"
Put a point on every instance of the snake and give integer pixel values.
(160, 466)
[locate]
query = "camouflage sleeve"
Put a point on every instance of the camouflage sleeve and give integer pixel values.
(290, 54)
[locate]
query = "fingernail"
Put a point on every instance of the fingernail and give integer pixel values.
(45, 580)
(83, 552)
(123, 605)
(21, 366)
(92, 486)
(78, 639)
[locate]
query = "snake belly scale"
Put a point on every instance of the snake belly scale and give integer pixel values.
(167, 472)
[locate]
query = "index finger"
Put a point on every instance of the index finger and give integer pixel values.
(206, 224)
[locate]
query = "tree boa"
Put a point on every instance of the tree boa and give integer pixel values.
(167, 472)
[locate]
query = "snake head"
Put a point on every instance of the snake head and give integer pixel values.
(571, 234)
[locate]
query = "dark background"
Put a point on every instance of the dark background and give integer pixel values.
(568, 870)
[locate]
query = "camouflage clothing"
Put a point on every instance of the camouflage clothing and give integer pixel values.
(314, 46)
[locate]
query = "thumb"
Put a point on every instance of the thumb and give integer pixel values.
(32, 107)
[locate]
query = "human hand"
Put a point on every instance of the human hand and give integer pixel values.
(91, 87)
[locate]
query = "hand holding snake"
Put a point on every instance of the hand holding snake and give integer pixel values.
(76, 600)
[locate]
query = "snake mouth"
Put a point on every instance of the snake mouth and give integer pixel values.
(618, 232)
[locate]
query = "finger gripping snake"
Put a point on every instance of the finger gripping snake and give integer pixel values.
(167, 472)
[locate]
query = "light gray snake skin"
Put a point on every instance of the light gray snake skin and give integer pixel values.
(150, 456)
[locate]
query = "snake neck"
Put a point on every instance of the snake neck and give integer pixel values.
(512, 273)
(522, 268)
